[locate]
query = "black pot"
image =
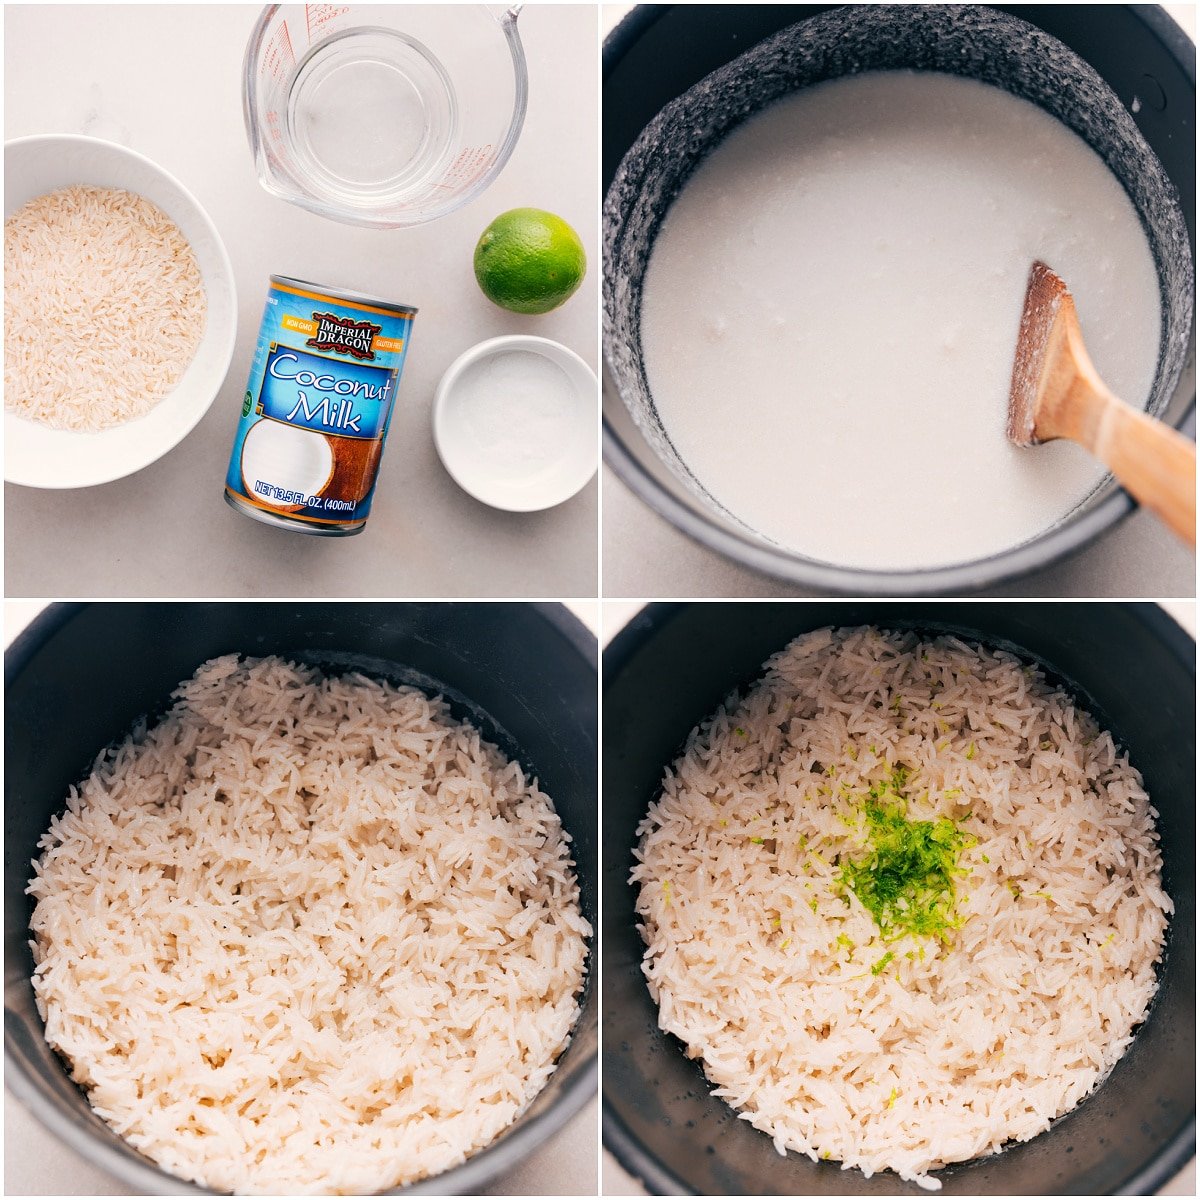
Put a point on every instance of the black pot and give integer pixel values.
(1130, 664)
(79, 676)
(1085, 64)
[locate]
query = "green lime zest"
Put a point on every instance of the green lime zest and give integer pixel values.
(905, 880)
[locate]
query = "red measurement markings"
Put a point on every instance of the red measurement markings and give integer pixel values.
(318, 16)
(471, 164)
(279, 57)
(275, 132)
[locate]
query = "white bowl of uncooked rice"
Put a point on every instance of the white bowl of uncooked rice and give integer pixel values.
(119, 311)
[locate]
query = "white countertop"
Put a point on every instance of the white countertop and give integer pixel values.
(36, 1163)
(165, 80)
(645, 555)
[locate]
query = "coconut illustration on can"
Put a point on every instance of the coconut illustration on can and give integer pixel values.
(317, 408)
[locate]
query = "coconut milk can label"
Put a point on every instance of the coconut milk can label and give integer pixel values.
(318, 403)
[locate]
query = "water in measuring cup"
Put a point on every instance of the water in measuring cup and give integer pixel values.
(371, 117)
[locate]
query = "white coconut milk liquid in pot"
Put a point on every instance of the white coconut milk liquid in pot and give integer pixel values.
(831, 308)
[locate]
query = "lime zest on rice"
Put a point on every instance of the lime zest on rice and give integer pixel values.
(834, 686)
(906, 878)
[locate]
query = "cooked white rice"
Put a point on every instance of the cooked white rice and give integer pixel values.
(104, 307)
(946, 1053)
(307, 934)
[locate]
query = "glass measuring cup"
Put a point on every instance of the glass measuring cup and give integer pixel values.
(383, 115)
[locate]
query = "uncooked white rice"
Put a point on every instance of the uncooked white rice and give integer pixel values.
(104, 307)
(944, 1054)
(308, 934)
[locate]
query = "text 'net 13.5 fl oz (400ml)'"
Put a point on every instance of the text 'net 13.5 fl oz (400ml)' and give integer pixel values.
(318, 403)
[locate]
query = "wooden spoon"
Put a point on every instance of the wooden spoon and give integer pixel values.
(1056, 393)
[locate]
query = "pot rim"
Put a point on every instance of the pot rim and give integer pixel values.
(481, 1168)
(1069, 537)
(643, 626)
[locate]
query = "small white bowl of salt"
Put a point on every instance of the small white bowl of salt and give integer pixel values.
(515, 422)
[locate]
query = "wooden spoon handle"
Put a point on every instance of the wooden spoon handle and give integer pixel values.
(1153, 461)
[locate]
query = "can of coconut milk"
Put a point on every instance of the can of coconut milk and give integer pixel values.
(317, 407)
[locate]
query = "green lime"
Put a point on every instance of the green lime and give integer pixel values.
(529, 261)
